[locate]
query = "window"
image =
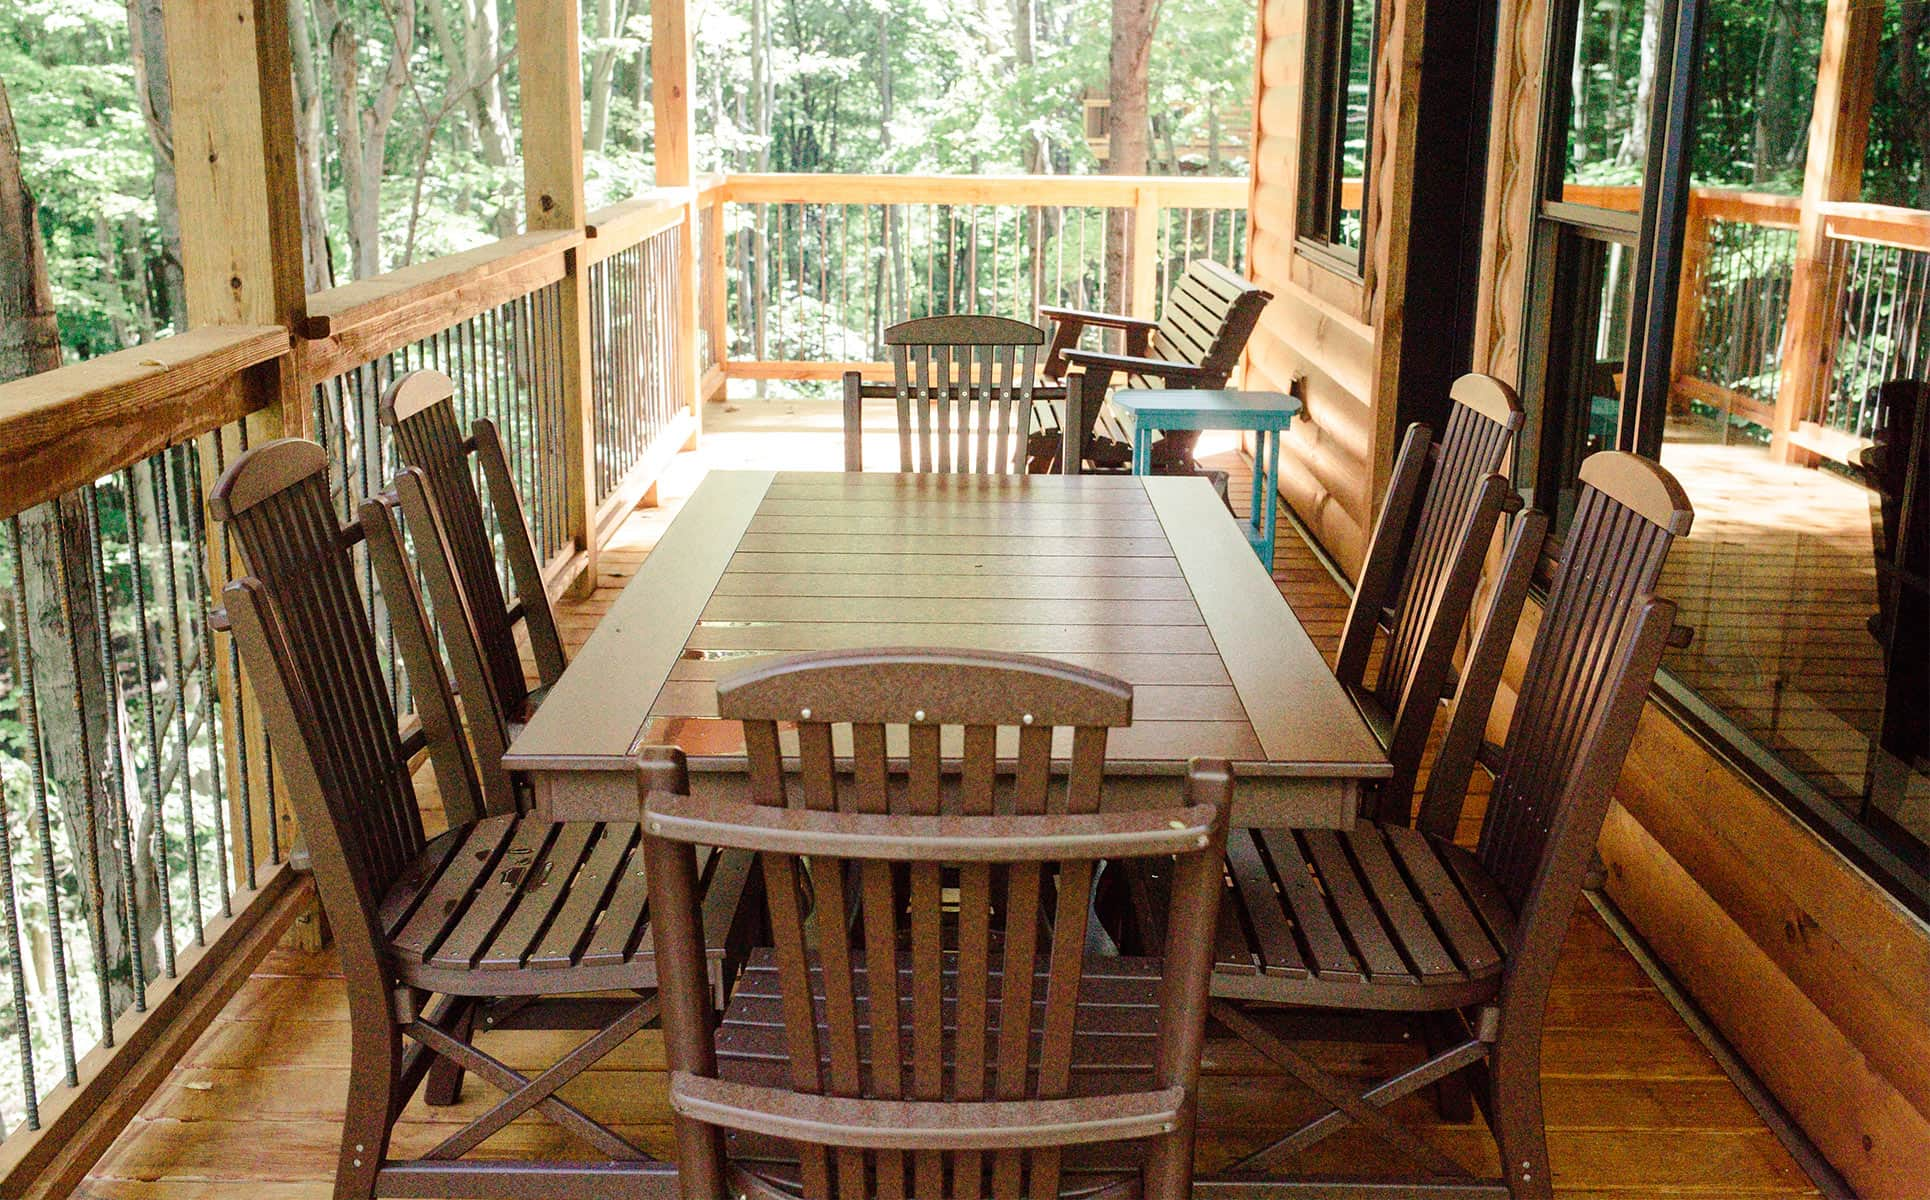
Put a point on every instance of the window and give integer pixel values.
(1666, 286)
(1336, 126)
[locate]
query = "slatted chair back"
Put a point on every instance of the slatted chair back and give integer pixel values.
(988, 1075)
(964, 389)
(1206, 321)
(305, 635)
(1601, 638)
(1423, 569)
(460, 563)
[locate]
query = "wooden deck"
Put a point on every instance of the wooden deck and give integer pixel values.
(1636, 1107)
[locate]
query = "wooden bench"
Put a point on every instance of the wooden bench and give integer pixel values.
(1197, 341)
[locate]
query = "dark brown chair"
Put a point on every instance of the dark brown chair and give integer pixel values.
(1013, 1061)
(503, 920)
(1423, 569)
(1392, 919)
(964, 386)
(458, 560)
(1196, 343)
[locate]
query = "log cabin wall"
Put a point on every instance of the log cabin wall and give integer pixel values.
(1811, 970)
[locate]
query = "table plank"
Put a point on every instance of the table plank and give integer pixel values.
(1020, 639)
(1291, 697)
(1140, 670)
(906, 586)
(992, 566)
(697, 697)
(927, 543)
(964, 610)
(600, 701)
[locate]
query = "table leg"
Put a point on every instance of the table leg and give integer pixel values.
(1142, 449)
(1273, 494)
(1259, 465)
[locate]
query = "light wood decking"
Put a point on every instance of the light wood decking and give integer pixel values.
(1636, 1107)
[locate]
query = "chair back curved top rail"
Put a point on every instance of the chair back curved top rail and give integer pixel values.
(458, 558)
(1423, 569)
(963, 385)
(1012, 1056)
(1197, 341)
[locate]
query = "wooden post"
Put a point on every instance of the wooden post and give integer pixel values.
(241, 259)
(1145, 252)
(671, 83)
(549, 55)
(716, 283)
(1688, 305)
(1839, 129)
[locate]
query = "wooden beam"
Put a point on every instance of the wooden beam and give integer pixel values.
(672, 81)
(386, 297)
(1145, 252)
(1102, 191)
(62, 429)
(549, 56)
(1839, 130)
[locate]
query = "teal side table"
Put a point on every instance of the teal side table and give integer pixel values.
(1266, 415)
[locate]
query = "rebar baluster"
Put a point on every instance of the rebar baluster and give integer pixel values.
(144, 663)
(199, 589)
(37, 777)
(242, 787)
(17, 973)
(116, 777)
(164, 517)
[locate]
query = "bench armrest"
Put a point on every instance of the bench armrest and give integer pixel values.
(1171, 372)
(1084, 317)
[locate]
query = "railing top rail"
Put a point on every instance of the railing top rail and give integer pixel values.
(1711, 203)
(1883, 224)
(1107, 191)
(616, 227)
(334, 312)
(65, 428)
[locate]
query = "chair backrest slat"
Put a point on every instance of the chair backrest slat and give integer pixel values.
(304, 632)
(459, 557)
(1207, 318)
(890, 960)
(963, 389)
(1425, 563)
(1601, 637)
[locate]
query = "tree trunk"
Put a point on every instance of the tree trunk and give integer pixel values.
(611, 16)
(1634, 151)
(57, 588)
(1133, 22)
(147, 41)
(363, 135)
(318, 260)
(1913, 30)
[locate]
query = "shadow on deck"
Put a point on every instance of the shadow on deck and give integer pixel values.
(1636, 1107)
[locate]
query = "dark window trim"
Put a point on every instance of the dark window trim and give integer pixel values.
(1323, 122)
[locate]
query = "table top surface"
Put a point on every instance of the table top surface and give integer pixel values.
(1143, 577)
(1207, 408)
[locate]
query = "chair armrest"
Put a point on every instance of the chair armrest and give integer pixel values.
(1168, 371)
(1106, 320)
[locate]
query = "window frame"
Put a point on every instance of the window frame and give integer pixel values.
(1323, 124)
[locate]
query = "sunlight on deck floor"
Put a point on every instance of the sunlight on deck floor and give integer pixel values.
(1636, 1107)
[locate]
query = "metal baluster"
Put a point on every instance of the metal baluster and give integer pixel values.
(17, 974)
(164, 516)
(237, 715)
(116, 777)
(199, 589)
(37, 776)
(144, 662)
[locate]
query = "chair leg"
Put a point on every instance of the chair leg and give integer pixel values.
(375, 1057)
(1168, 1174)
(1514, 1108)
(1453, 1100)
(444, 1085)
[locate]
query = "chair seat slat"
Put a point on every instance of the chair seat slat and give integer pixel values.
(446, 900)
(599, 875)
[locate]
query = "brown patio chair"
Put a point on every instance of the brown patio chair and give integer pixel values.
(1391, 919)
(505, 920)
(1423, 569)
(1012, 1061)
(458, 561)
(964, 386)
(1196, 343)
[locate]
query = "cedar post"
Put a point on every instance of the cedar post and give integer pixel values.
(549, 54)
(716, 287)
(1839, 129)
(1688, 305)
(671, 82)
(1145, 252)
(241, 259)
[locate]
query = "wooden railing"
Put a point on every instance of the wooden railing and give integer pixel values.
(816, 266)
(147, 859)
(1736, 314)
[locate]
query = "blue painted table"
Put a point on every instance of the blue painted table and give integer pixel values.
(1145, 411)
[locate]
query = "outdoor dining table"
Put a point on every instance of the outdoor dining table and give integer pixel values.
(1143, 577)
